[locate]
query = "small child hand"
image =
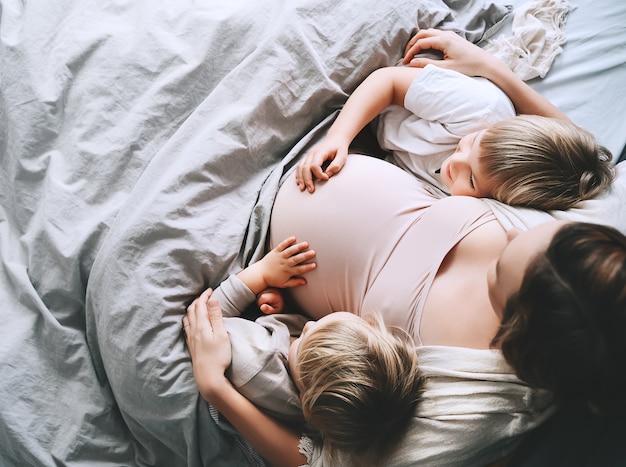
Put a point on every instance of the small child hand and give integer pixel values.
(283, 266)
(270, 301)
(312, 165)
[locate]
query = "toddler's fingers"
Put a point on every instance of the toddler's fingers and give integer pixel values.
(305, 267)
(282, 246)
(268, 309)
(300, 258)
(294, 251)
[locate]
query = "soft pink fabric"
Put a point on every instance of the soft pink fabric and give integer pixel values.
(379, 236)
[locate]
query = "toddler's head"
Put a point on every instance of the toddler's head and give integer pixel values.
(529, 161)
(543, 163)
(359, 382)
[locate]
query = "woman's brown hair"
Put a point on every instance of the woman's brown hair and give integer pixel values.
(564, 330)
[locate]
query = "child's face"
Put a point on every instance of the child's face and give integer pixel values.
(461, 172)
(309, 328)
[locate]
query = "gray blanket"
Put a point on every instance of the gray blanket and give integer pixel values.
(141, 146)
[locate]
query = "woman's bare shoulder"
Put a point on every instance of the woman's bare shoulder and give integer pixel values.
(484, 243)
(488, 236)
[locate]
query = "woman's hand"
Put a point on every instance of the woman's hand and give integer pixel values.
(281, 267)
(208, 343)
(210, 351)
(458, 53)
(311, 166)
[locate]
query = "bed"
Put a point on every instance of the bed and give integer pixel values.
(141, 145)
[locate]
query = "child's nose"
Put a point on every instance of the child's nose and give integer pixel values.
(458, 162)
(460, 156)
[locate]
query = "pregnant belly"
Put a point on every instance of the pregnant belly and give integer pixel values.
(354, 223)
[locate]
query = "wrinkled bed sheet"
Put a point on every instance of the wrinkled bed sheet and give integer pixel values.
(141, 146)
(587, 79)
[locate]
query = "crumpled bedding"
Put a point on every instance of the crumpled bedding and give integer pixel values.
(142, 144)
(586, 80)
(538, 32)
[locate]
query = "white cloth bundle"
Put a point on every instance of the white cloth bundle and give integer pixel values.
(538, 32)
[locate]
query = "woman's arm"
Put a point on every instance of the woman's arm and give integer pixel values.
(209, 347)
(382, 88)
(467, 58)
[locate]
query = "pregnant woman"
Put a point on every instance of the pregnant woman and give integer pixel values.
(385, 244)
(444, 270)
(447, 272)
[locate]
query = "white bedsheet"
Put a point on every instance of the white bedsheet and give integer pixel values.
(588, 79)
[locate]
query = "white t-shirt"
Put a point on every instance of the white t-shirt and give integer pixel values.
(440, 107)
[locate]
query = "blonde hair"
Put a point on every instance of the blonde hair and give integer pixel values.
(361, 384)
(544, 163)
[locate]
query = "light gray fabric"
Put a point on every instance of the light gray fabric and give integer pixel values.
(259, 351)
(141, 146)
(233, 296)
(259, 362)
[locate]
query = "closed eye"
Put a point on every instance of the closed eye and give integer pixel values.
(471, 181)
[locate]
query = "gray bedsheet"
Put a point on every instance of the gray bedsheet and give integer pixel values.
(141, 145)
